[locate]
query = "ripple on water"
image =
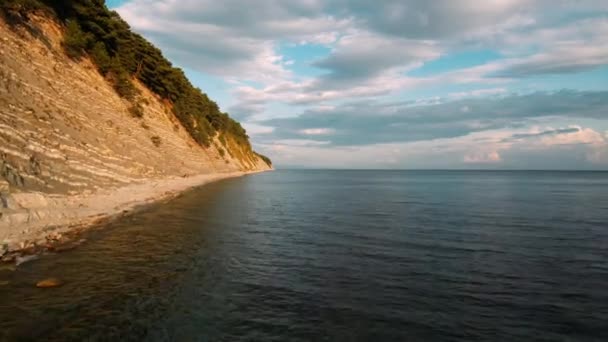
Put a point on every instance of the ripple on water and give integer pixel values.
(335, 255)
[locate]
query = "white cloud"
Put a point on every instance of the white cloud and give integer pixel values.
(228, 38)
(483, 158)
(580, 136)
(360, 56)
(298, 142)
(317, 131)
(478, 92)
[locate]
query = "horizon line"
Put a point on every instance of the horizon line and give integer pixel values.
(436, 169)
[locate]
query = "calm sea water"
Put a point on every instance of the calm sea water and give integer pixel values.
(336, 256)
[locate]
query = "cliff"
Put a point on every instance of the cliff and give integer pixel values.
(73, 150)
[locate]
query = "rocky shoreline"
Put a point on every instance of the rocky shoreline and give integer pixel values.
(38, 223)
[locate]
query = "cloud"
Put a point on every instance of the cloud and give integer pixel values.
(369, 84)
(583, 148)
(483, 158)
(478, 92)
(361, 56)
(317, 131)
(228, 38)
(564, 59)
(576, 135)
(576, 47)
(573, 135)
(281, 144)
(550, 132)
(543, 147)
(375, 122)
(421, 19)
(485, 149)
(245, 110)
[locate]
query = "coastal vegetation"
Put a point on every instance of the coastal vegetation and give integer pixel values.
(123, 56)
(265, 159)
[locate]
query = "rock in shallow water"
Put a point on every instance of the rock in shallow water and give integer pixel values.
(50, 282)
(19, 260)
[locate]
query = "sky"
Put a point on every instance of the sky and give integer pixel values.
(398, 84)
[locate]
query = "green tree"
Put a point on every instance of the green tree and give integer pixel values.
(101, 58)
(120, 79)
(75, 40)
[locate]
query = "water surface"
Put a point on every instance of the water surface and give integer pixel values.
(336, 256)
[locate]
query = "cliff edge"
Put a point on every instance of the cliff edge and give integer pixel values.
(72, 150)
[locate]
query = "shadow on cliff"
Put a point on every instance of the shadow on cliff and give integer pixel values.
(18, 19)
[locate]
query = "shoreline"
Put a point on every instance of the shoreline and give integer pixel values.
(52, 223)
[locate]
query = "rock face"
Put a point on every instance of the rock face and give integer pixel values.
(65, 132)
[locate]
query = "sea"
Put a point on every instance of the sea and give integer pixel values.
(335, 255)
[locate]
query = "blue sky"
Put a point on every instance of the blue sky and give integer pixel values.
(497, 84)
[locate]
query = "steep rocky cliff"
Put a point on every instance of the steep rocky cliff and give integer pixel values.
(64, 131)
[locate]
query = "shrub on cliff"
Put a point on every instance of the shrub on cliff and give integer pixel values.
(136, 110)
(100, 56)
(75, 41)
(265, 159)
(121, 81)
(16, 11)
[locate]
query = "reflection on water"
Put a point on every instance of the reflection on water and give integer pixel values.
(335, 255)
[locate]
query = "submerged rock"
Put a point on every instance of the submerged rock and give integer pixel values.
(49, 282)
(23, 259)
(4, 282)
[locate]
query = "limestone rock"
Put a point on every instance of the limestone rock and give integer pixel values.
(30, 200)
(48, 283)
(20, 260)
(4, 186)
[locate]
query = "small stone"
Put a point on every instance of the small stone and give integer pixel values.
(55, 236)
(4, 200)
(4, 186)
(50, 282)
